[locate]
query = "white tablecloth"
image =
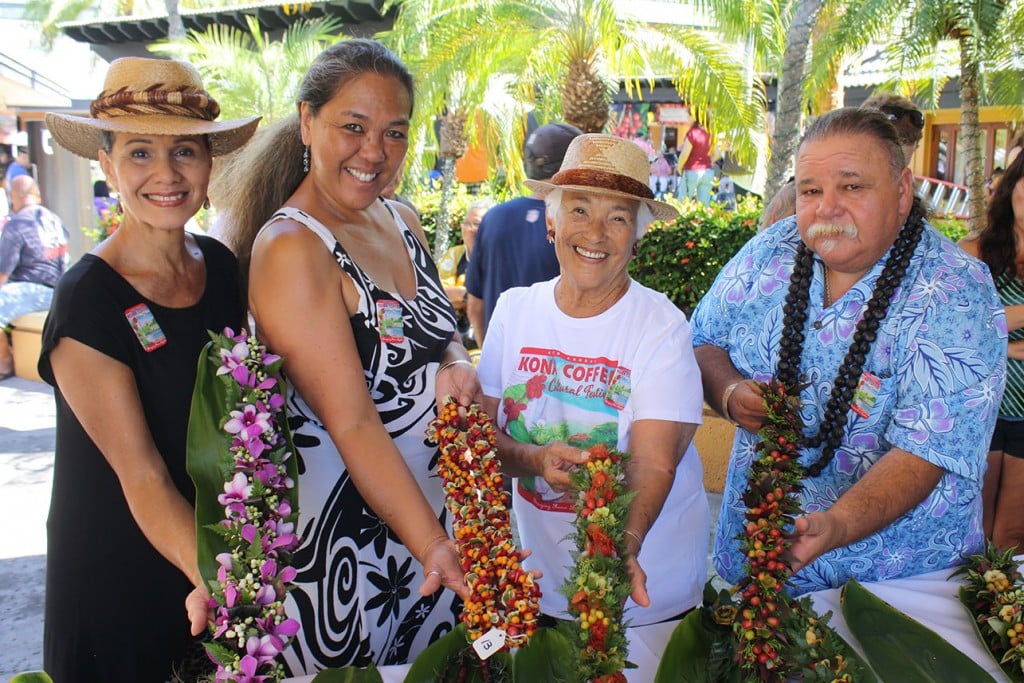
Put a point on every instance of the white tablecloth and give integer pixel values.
(930, 599)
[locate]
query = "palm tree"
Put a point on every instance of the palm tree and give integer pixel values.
(985, 33)
(247, 71)
(561, 59)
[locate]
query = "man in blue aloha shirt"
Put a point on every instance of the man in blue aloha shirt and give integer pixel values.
(901, 393)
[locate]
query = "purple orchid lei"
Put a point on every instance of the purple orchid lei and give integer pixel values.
(250, 627)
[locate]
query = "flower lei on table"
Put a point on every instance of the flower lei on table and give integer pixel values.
(599, 582)
(503, 595)
(993, 593)
(256, 530)
(775, 636)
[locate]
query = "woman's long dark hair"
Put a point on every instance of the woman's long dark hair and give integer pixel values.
(997, 243)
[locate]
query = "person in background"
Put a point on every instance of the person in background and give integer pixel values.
(896, 341)
(33, 256)
(453, 264)
(696, 176)
(19, 166)
(120, 347)
(101, 199)
(1000, 246)
(342, 286)
(992, 183)
(512, 248)
(661, 174)
(604, 360)
(906, 117)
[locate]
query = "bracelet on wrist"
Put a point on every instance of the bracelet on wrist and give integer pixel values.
(428, 546)
(636, 537)
(726, 395)
(445, 366)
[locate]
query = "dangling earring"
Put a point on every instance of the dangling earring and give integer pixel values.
(206, 203)
(305, 160)
(118, 207)
(551, 236)
(636, 248)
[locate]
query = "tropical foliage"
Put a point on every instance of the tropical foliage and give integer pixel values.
(562, 59)
(247, 71)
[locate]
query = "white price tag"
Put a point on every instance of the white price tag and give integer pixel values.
(489, 643)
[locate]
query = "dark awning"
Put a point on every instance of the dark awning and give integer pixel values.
(273, 16)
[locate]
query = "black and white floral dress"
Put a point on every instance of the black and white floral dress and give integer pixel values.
(356, 590)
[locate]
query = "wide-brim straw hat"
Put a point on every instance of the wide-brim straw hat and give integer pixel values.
(150, 97)
(607, 165)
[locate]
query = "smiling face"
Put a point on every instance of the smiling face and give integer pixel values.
(358, 139)
(161, 179)
(849, 205)
(594, 236)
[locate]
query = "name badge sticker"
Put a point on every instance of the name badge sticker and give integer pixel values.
(619, 389)
(866, 394)
(146, 328)
(390, 324)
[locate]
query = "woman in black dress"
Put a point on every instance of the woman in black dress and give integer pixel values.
(120, 348)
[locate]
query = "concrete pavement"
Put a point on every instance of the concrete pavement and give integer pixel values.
(26, 472)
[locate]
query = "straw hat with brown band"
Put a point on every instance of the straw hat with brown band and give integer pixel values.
(607, 165)
(150, 97)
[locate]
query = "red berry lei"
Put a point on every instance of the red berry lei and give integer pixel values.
(780, 637)
(502, 593)
(599, 583)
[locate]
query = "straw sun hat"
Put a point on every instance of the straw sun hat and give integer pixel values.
(608, 165)
(150, 97)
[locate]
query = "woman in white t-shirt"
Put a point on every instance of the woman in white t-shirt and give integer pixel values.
(594, 357)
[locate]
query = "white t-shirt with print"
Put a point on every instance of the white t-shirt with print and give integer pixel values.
(586, 380)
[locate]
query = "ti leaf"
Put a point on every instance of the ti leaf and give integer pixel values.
(686, 654)
(900, 649)
(545, 659)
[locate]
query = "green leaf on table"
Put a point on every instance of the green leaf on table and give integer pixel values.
(686, 654)
(901, 649)
(547, 658)
(31, 677)
(430, 664)
(349, 674)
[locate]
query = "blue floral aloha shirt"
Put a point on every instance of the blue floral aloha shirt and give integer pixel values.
(940, 362)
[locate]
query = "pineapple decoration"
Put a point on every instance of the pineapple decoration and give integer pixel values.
(585, 98)
(453, 144)
(586, 94)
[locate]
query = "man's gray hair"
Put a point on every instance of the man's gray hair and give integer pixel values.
(644, 215)
(859, 121)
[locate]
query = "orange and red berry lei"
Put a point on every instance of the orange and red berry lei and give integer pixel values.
(502, 593)
(599, 582)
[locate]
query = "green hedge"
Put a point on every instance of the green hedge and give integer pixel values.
(682, 258)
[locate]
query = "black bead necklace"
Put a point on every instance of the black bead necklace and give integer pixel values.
(794, 312)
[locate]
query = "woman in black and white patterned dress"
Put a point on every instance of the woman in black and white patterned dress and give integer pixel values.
(342, 286)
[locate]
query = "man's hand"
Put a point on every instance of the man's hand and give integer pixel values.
(746, 406)
(813, 536)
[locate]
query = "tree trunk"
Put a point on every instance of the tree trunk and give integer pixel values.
(789, 99)
(970, 133)
(175, 27)
(442, 230)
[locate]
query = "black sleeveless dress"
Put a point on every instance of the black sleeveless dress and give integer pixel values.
(115, 608)
(356, 591)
